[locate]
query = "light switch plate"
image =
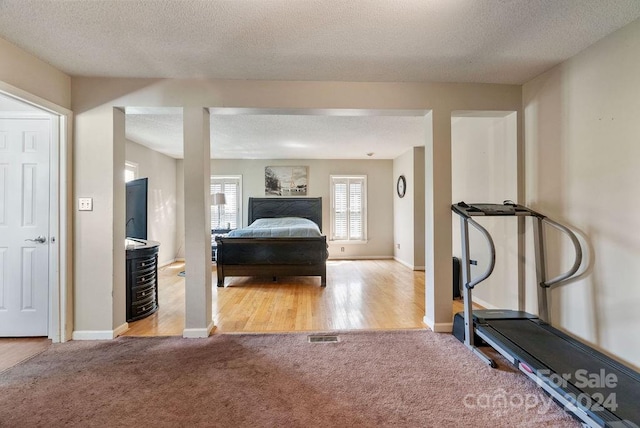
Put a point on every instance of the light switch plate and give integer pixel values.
(85, 204)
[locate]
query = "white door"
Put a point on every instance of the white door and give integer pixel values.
(24, 226)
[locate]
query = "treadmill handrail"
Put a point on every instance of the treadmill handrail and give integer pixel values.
(578, 254)
(492, 253)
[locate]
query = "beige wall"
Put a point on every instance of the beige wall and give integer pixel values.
(403, 222)
(408, 212)
(582, 139)
(484, 169)
(162, 197)
(30, 74)
(379, 185)
(419, 241)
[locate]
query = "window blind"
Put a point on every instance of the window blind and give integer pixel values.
(348, 208)
(130, 171)
(226, 216)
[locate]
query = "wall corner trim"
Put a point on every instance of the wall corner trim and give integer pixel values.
(409, 265)
(167, 263)
(99, 334)
(360, 257)
(402, 262)
(444, 327)
(198, 333)
(484, 303)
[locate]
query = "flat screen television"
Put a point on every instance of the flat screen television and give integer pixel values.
(136, 208)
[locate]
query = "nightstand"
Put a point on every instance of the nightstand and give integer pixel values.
(214, 246)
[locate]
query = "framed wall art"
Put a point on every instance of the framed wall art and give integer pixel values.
(285, 181)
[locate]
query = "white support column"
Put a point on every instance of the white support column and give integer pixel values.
(438, 251)
(197, 172)
(119, 323)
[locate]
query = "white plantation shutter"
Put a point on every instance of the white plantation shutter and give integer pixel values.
(348, 208)
(355, 210)
(340, 211)
(231, 211)
(230, 214)
(130, 171)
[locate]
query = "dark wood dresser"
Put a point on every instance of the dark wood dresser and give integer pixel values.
(142, 278)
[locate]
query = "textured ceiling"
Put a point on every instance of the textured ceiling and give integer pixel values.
(491, 41)
(497, 41)
(279, 136)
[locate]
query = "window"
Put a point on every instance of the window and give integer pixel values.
(229, 215)
(130, 171)
(348, 207)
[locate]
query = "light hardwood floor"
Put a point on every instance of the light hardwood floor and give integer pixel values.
(364, 294)
(15, 350)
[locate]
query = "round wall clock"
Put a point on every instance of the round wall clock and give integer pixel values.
(401, 186)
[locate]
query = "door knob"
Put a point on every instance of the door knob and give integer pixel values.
(40, 239)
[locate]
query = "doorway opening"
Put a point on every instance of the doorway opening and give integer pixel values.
(246, 141)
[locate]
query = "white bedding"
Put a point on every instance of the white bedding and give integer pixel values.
(284, 227)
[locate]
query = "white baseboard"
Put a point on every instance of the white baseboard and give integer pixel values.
(99, 334)
(443, 327)
(483, 303)
(402, 262)
(360, 257)
(410, 266)
(167, 263)
(198, 333)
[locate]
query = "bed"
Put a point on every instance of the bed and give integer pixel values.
(275, 253)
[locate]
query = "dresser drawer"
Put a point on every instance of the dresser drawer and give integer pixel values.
(143, 263)
(144, 271)
(143, 310)
(144, 307)
(141, 279)
(143, 292)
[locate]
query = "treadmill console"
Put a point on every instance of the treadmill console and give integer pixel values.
(506, 209)
(493, 209)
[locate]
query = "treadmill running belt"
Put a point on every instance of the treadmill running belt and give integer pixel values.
(583, 369)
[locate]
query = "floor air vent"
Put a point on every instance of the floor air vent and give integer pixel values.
(323, 339)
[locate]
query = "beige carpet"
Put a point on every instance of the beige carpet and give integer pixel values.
(404, 378)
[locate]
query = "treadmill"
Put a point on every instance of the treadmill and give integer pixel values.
(597, 390)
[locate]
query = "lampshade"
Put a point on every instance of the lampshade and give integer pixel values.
(218, 199)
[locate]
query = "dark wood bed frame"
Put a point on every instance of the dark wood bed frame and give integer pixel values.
(273, 257)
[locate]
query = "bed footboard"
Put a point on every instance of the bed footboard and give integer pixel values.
(272, 257)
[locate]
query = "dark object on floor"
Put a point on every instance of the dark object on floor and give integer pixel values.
(458, 330)
(183, 273)
(456, 278)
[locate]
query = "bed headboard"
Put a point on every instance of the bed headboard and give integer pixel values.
(310, 208)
